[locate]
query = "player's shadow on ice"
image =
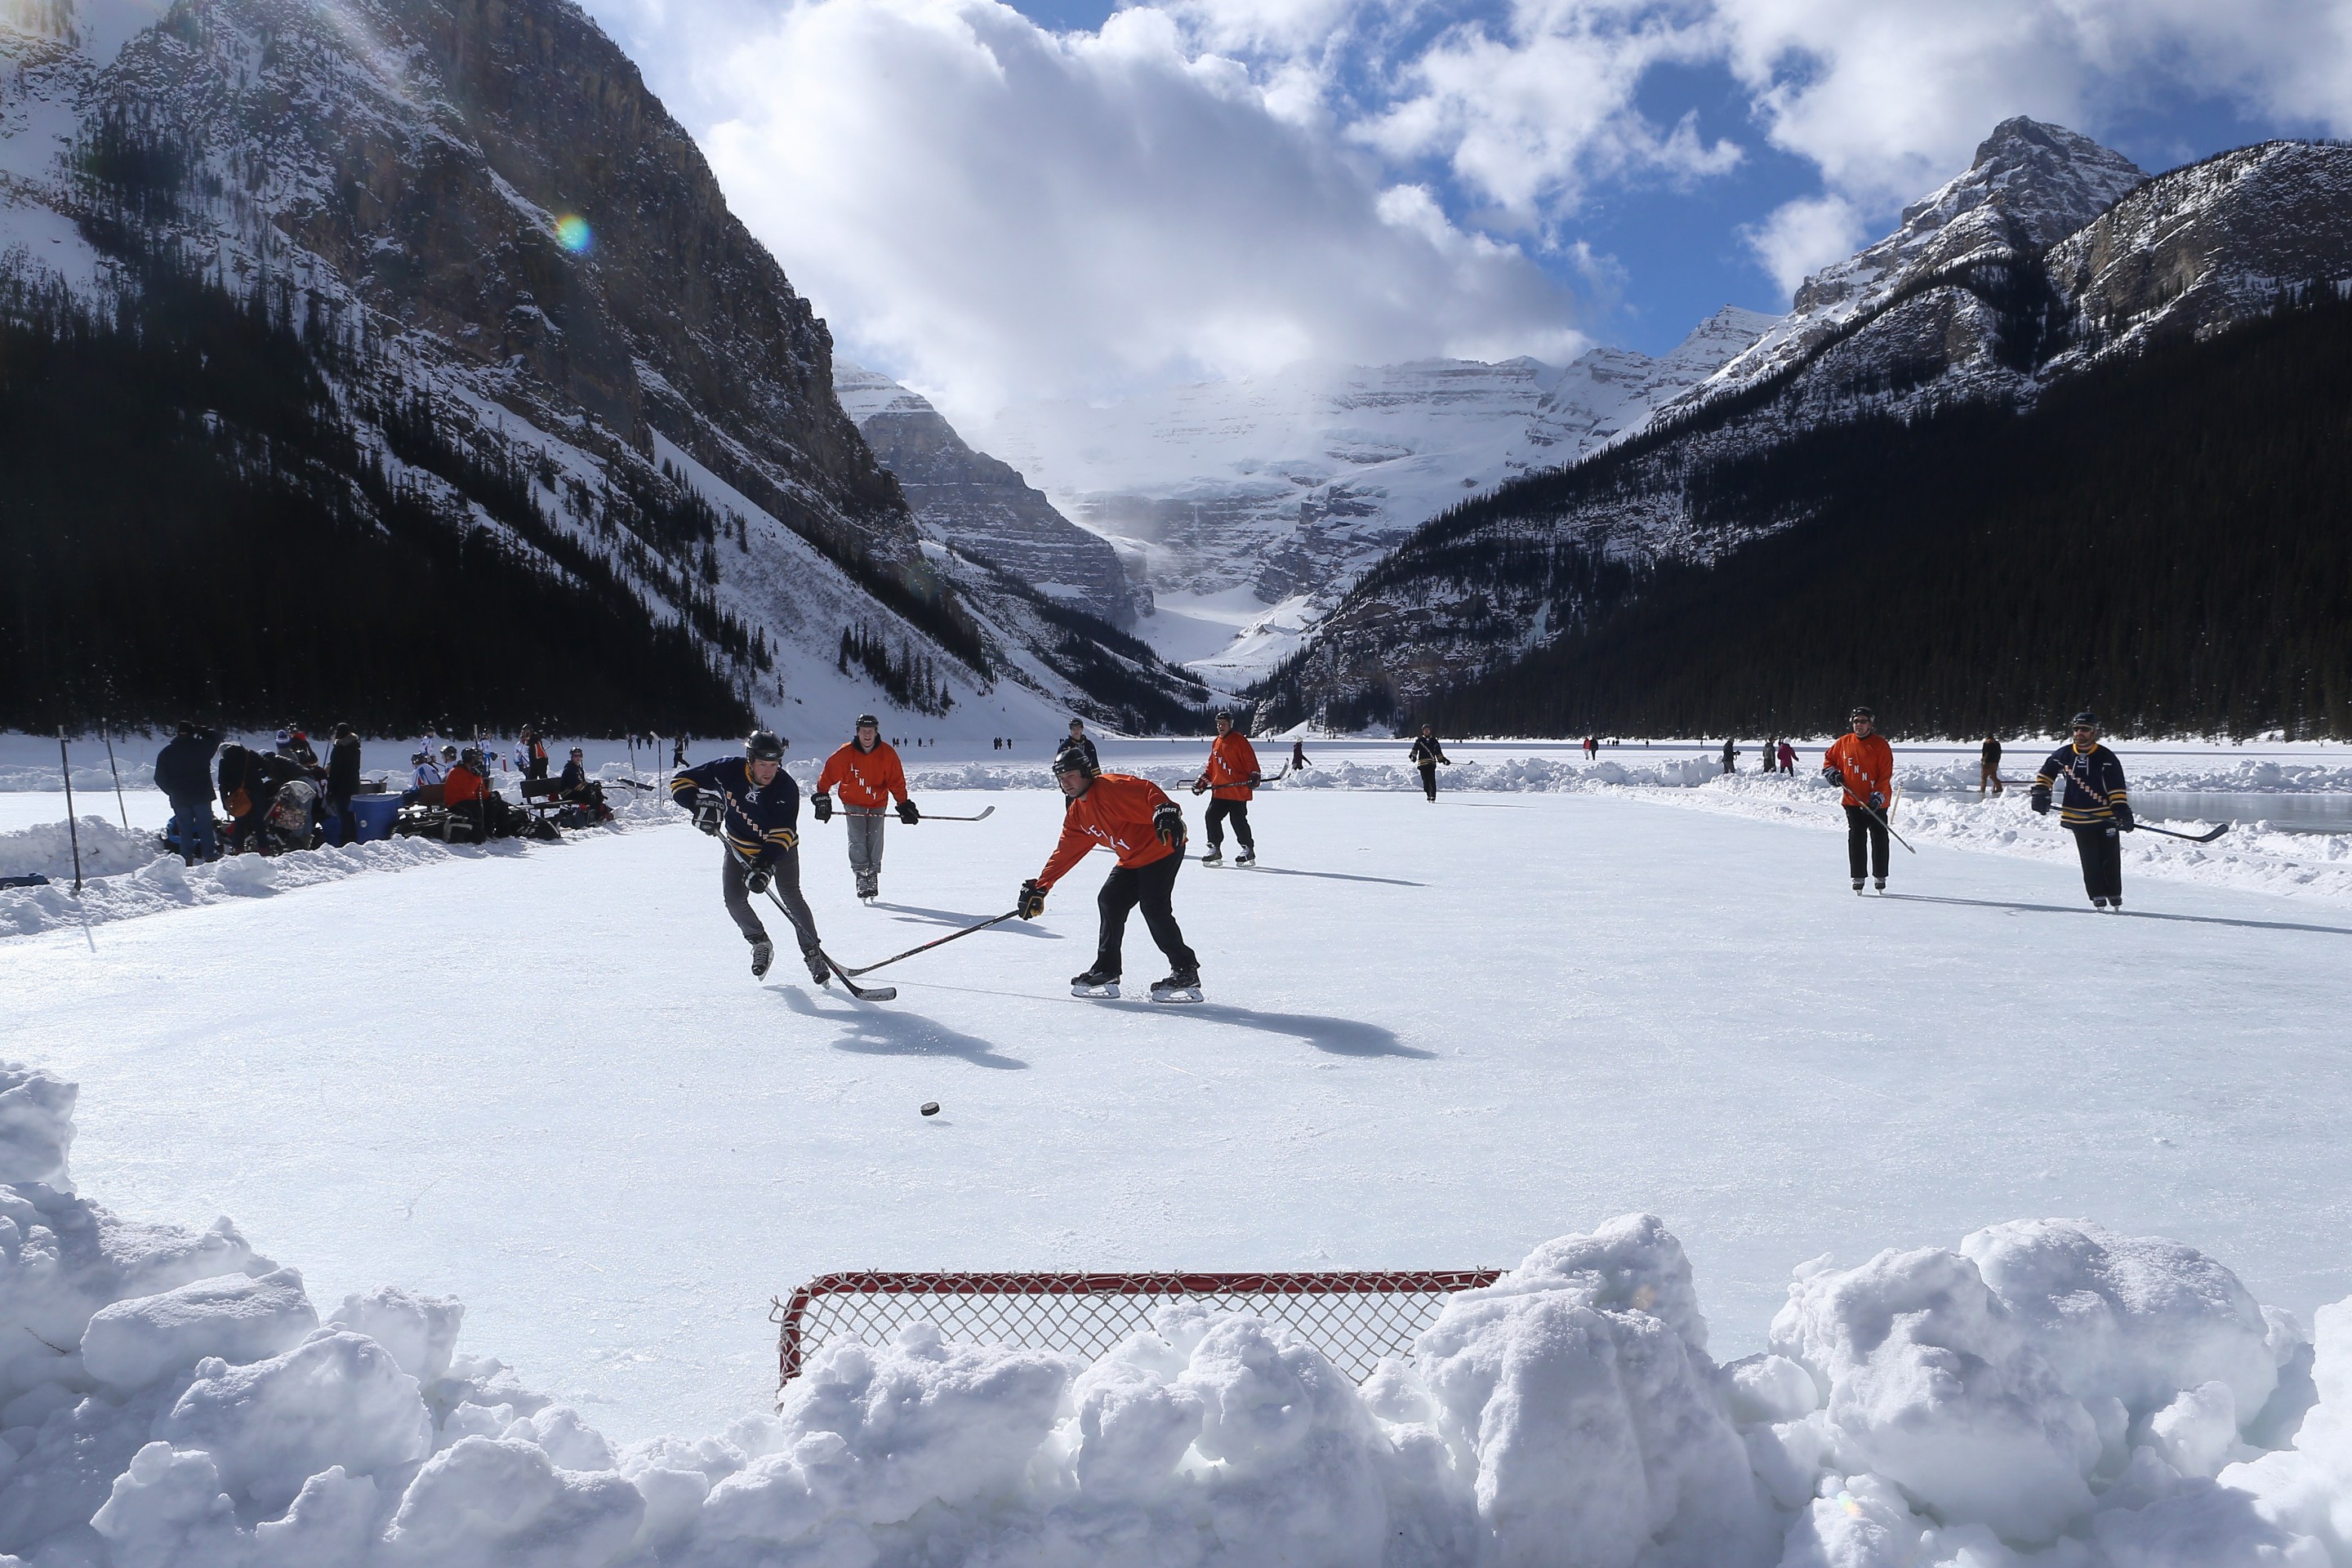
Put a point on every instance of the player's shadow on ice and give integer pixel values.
(877, 1032)
(1339, 1037)
(920, 916)
(2129, 914)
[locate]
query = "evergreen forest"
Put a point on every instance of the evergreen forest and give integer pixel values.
(2167, 539)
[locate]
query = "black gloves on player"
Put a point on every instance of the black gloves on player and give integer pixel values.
(2040, 800)
(1033, 901)
(708, 814)
(1877, 801)
(820, 806)
(908, 814)
(2124, 818)
(758, 879)
(1168, 822)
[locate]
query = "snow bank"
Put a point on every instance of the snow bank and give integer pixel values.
(2049, 1392)
(140, 879)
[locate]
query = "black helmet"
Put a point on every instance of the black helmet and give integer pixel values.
(1862, 712)
(449, 751)
(763, 746)
(867, 721)
(1074, 760)
(2085, 717)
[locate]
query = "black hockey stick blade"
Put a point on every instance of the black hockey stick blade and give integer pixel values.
(863, 993)
(2206, 837)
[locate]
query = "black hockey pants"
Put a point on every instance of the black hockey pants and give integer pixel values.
(787, 870)
(1865, 829)
(2101, 847)
(1150, 886)
(1428, 779)
(1239, 811)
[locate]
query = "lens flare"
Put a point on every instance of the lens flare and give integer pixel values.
(572, 232)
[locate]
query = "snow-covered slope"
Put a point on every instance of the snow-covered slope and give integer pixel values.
(495, 243)
(1250, 506)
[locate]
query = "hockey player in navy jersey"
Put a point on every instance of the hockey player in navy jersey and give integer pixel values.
(752, 803)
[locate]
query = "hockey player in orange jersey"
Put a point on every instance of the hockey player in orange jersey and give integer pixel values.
(1230, 779)
(1863, 764)
(867, 773)
(1135, 820)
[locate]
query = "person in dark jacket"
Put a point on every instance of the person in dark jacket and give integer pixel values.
(1081, 740)
(754, 807)
(343, 776)
(250, 781)
(2097, 809)
(1426, 755)
(1988, 765)
(184, 773)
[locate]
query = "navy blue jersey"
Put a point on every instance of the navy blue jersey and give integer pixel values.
(761, 823)
(2098, 770)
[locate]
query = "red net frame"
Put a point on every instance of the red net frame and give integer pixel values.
(1356, 1318)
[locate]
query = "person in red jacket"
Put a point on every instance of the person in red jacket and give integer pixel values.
(1135, 820)
(1863, 764)
(867, 773)
(1230, 777)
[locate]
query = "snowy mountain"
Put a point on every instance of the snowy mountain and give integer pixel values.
(980, 505)
(1250, 506)
(526, 316)
(2049, 258)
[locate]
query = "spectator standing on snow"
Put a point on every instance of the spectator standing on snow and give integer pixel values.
(1989, 766)
(1231, 778)
(1788, 758)
(1081, 740)
(1863, 764)
(1297, 755)
(752, 805)
(183, 772)
(2097, 809)
(1730, 752)
(1135, 820)
(1426, 755)
(343, 773)
(867, 773)
(677, 753)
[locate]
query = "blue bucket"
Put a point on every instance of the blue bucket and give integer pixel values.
(373, 814)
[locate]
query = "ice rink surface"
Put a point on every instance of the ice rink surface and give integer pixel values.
(1435, 1035)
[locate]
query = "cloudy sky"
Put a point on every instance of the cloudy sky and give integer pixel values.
(1067, 198)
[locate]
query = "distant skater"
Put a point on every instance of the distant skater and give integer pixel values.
(867, 771)
(1298, 757)
(1863, 764)
(1788, 758)
(1231, 777)
(1426, 755)
(677, 753)
(1989, 766)
(2097, 809)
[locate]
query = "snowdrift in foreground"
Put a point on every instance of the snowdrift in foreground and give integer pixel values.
(2048, 1394)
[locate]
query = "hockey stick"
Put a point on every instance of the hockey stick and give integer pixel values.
(985, 812)
(2137, 827)
(1875, 816)
(1000, 919)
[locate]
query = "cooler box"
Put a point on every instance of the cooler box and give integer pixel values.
(374, 815)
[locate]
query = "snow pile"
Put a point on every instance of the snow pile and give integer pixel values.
(47, 848)
(2048, 1393)
(139, 878)
(17, 775)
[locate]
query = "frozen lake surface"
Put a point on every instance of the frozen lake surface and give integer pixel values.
(545, 1082)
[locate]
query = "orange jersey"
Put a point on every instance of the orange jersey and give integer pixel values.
(1233, 762)
(1115, 813)
(462, 785)
(1867, 765)
(866, 779)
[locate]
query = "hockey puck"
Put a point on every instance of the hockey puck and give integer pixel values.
(931, 1108)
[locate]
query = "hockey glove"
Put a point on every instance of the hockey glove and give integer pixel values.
(708, 814)
(1832, 778)
(1877, 801)
(820, 806)
(1168, 822)
(1200, 784)
(1033, 901)
(908, 814)
(2041, 801)
(758, 879)
(2124, 818)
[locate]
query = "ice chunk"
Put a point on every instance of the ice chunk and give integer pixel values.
(2139, 1318)
(502, 1503)
(338, 1398)
(1131, 1428)
(421, 1331)
(2308, 1489)
(1933, 1383)
(1767, 1387)
(2197, 1433)
(1591, 1416)
(237, 1317)
(35, 1127)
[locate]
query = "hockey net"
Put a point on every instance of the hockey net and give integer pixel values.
(1356, 1318)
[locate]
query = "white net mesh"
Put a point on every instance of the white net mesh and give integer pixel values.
(1356, 1318)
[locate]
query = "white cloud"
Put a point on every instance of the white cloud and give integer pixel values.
(1804, 236)
(989, 210)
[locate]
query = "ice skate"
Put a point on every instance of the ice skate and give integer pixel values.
(1878, 884)
(1095, 982)
(1184, 985)
(1215, 856)
(819, 970)
(1857, 885)
(762, 954)
(1248, 857)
